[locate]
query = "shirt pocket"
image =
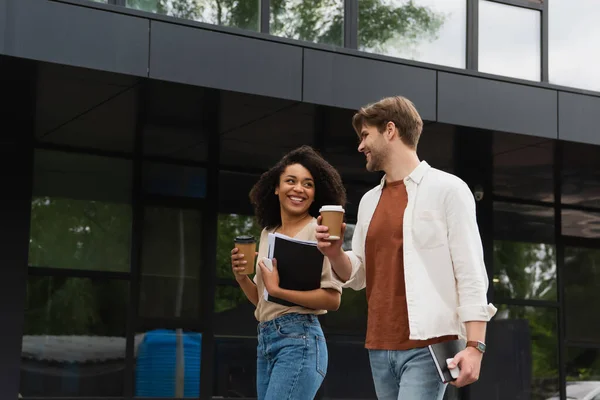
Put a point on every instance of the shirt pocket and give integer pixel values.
(428, 229)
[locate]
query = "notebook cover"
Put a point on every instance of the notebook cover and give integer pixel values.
(442, 351)
(300, 264)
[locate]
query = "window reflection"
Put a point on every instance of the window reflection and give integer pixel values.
(313, 21)
(573, 54)
(74, 337)
(582, 279)
(240, 14)
(580, 224)
(230, 226)
(171, 260)
(235, 367)
(524, 254)
(509, 40)
(523, 223)
(168, 363)
(538, 326)
(583, 373)
(581, 174)
(431, 31)
(524, 270)
(80, 212)
(523, 167)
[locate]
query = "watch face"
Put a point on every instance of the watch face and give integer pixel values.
(481, 347)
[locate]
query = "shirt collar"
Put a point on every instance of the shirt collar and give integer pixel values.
(416, 175)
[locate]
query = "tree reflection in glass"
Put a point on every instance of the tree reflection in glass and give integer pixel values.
(524, 270)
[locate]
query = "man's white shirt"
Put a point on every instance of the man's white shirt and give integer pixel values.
(445, 275)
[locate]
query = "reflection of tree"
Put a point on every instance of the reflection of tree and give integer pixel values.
(79, 234)
(230, 226)
(75, 306)
(320, 21)
(524, 270)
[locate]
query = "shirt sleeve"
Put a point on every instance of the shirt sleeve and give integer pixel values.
(467, 256)
(358, 277)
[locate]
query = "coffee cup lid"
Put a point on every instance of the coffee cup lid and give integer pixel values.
(245, 239)
(332, 208)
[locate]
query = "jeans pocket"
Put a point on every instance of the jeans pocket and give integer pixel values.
(291, 331)
(322, 356)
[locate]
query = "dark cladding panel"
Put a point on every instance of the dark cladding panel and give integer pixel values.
(495, 105)
(350, 82)
(222, 61)
(78, 36)
(578, 118)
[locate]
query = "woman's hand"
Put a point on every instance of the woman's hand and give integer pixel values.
(270, 278)
(238, 265)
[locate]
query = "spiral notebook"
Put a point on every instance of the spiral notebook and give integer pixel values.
(299, 262)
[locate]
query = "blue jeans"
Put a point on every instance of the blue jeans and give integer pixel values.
(291, 358)
(405, 375)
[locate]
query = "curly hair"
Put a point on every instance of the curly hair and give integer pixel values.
(329, 188)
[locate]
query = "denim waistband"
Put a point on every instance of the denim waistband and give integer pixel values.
(292, 318)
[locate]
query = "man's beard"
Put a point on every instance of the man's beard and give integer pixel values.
(375, 164)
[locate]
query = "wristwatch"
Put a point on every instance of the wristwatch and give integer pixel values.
(477, 344)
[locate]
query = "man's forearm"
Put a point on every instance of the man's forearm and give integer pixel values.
(476, 330)
(341, 265)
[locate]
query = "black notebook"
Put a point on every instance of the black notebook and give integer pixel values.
(441, 352)
(299, 262)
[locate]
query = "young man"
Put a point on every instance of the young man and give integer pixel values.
(417, 250)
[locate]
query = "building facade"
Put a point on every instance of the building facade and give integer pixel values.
(133, 130)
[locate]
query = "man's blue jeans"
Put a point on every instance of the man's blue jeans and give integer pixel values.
(291, 358)
(405, 375)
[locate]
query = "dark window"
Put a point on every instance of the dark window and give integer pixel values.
(74, 337)
(171, 261)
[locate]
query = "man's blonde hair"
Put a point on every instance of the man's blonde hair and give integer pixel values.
(398, 110)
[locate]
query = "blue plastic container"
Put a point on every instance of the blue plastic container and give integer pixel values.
(156, 364)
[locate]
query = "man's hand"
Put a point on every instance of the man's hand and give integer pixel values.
(270, 278)
(469, 362)
(329, 248)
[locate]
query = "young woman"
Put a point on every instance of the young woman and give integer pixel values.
(292, 353)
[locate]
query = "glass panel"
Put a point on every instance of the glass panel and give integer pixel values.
(235, 367)
(320, 21)
(509, 40)
(431, 31)
(230, 226)
(529, 334)
(240, 14)
(234, 313)
(573, 51)
(524, 270)
(523, 223)
(583, 373)
(341, 381)
(176, 121)
(81, 107)
(168, 364)
(171, 262)
(581, 174)
(580, 224)
(174, 180)
(80, 212)
(74, 337)
(523, 167)
(524, 256)
(582, 299)
(256, 131)
(350, 318)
